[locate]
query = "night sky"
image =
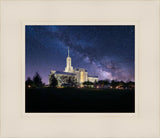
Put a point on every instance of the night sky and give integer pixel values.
(105, 51)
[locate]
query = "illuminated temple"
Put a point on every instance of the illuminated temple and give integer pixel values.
(80, 75)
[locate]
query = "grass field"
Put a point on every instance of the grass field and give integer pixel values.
(47, 100)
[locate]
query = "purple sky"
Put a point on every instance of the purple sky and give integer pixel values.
(105, 51)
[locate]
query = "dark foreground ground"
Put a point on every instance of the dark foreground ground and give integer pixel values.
(79, 100)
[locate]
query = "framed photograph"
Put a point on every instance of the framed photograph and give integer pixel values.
(79, 69)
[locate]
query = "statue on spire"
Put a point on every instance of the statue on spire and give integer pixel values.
(68, 51)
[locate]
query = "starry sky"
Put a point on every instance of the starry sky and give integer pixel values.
(105, 51)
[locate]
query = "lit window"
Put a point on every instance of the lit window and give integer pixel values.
(82, 76)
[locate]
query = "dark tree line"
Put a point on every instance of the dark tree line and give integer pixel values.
(53, 81)
(35, 82)
(111, 84)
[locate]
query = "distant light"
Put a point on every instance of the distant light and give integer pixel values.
(97, 86)
(29, 86)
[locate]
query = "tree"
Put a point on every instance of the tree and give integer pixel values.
(130, 85)
(106, 82)
(114, 83)
(101, 83)
(37, 80)
(29, 82)
(95, 82)
(54, 81)
(71, 81)
(68, 80)
(43, 84)
(88, 83)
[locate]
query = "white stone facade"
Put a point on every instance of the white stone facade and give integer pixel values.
(92, 79)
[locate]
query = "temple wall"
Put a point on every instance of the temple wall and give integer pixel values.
(92, 79)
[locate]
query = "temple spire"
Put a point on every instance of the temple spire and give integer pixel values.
(68, 67)
(68, 51)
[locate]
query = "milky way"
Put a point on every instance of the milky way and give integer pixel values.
(106, 51)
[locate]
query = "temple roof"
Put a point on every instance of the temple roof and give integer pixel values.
(77, 69)
(93, 76)
(65, 73)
